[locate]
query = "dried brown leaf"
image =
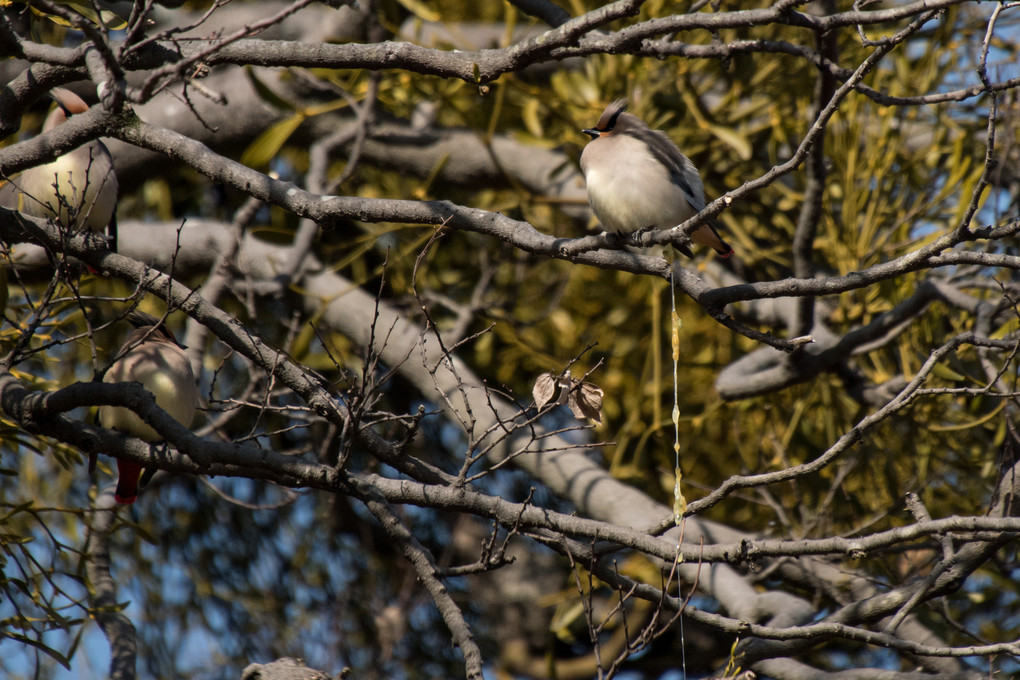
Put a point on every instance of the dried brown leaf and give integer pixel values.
(586, 401)
(544, 389)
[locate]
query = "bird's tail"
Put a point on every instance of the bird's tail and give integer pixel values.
(725, 250)
(706, 235)
(127, 482)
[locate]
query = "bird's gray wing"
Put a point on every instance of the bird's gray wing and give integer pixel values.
(679, 166)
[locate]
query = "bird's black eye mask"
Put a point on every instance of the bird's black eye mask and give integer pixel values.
(611, 123)
(607, 122)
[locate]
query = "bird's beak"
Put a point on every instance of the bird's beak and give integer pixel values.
(591, 132)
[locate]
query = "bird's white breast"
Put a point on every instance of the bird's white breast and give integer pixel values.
(86, 189)
(628, 189)
(163, 370)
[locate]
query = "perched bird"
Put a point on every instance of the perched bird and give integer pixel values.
(78, 189)
(637, 179)
(153, 357)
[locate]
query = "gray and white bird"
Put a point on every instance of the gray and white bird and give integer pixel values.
(638, 179)
(78, 189)
(151, 356)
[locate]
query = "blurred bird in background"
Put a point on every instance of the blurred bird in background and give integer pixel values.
(79, 189)
(151, 356)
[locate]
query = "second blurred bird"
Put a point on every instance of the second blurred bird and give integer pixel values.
(638, 179)
(153, 357)
(78, 189)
